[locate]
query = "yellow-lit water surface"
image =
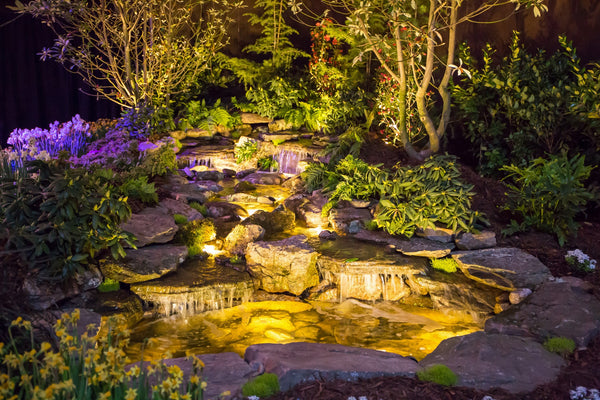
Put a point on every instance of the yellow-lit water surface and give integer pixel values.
(402, 329)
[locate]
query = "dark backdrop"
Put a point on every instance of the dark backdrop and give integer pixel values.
(35, 93)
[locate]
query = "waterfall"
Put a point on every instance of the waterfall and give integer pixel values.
(197, 300)
(193, 161)
(372, 286)
(288, 160)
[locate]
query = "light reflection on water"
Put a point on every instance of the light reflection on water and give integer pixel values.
(402, 329)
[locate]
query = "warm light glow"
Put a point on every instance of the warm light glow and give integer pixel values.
(211, 249)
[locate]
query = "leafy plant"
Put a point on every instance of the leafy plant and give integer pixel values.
(548, 194)
(527, 105)
(560, 345)
(264, 385)
(245, 151)
(580, 261)
(58, 218)
(420, 197)
(267, 164)
(180, 219)
(139, 188)
(348, 143)
(158, 162)
(201, 208)
(109, 285)
(88, 366)
(438, 373)
(444, 264)
(194, 234)
(198, 115)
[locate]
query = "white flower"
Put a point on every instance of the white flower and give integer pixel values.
(459, 69)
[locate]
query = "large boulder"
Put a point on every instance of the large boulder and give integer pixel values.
(144, 264)
(264, 178)
(295, 363)
(287, 265)
(565, 307)
(475, 241)
(219, 209)
(308, 209)
(152, 225)
(273, 222)
(171, 207)
(484, 361)
(506, 268)
(342, 218)
(238, 239)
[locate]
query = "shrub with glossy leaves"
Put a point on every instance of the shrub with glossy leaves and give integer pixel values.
(548, 194)
(59, 218)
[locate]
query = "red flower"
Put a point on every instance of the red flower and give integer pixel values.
(334, 42)
(327, 37)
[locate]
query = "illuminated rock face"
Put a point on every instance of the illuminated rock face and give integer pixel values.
(287, 265)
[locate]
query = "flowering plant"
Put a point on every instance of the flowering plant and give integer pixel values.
(41, 143)
(583, 393)
(581, 261)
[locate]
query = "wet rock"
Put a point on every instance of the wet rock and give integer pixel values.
(273, 222)
(264, 178)
(199, 134)
(484, 361)
(144, 264)
(340, 218)
(308, 208)
(559, 308)
(252, 118)
(287, 265)
(123, 305)
(210, 175)
(506, 268)
(243, 186)
(151, 225)
(453, 292)
(188, 192)
(208, 187)
(229, 173)
(223, 372)
(354, 227)
(281, 136)
(172, 207)
(280, 125)
(475, 241)
(300, 362)
(219, 209)
(328, 235)
(295, 183)
(414, 246)
(439, 234)
(242, 174)
(239, 238)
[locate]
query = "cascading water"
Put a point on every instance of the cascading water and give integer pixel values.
(288, 160)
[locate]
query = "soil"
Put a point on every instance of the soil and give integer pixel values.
(583, 366)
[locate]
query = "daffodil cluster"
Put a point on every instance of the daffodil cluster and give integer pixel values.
(88, 366)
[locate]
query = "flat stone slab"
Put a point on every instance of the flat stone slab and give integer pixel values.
(341, 218)
(484, 361)
(172, 207)
(300, 362)
(506, 268)
(144, 264)
(414, 246)
(152, 225)
(561, 308)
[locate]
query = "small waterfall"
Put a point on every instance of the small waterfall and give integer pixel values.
(373, 286)
(288, 160)
(196, 300)
(194, 161)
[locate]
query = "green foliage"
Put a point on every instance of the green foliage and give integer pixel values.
(264, 385)
(109, 285)
(528, 105)
(267, 164)
(87, 366)
(180, 219)
(438, 373)
(158, 162)
(198, 115)
(139, 188)
(59, 218)
(245, 151)
(201, 208)
(548, 194)
(420, 197)
(410, 197)
(194, 234)
(560, 345)
(348, 143)
(444, 264)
